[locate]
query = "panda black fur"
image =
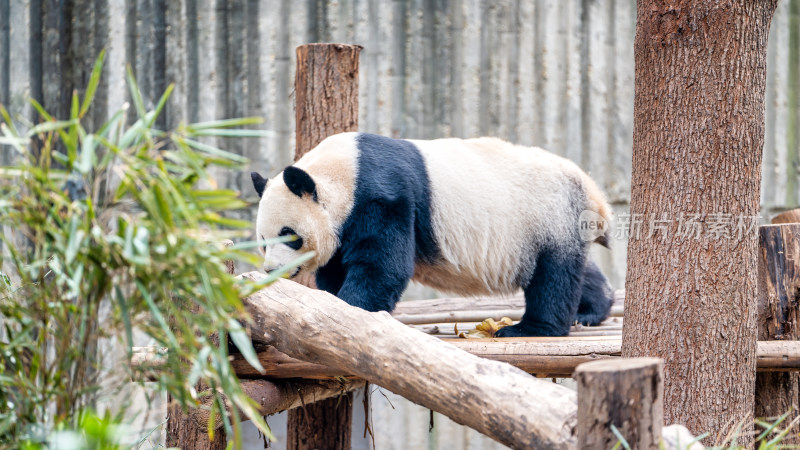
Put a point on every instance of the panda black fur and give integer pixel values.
(475, 216)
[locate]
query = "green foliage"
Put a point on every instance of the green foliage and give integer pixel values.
(107, 233)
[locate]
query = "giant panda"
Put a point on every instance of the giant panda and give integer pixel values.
(470, 217)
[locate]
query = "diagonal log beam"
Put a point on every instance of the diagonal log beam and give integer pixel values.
(494, 398)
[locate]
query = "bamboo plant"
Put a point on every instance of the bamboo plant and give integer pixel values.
(108, 234)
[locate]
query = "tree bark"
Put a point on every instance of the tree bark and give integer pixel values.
(184, 432)
(326, 93)
(697, 142)
(626, 393)
(321, 425)
(778, 303)
(496, 399)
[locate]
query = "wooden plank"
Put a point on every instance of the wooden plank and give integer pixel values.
(543, 356)
(471, 309)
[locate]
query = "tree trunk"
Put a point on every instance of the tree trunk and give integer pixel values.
(326, 90)
(697, 142)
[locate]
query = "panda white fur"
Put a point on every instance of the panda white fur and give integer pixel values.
(475, 216)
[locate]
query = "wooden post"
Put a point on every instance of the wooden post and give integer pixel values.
(182, 430)
(326, 93)
(778, 302)
(790, 216)
(627, 393)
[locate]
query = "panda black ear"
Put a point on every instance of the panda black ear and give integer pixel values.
(299, 182)
(259, 182)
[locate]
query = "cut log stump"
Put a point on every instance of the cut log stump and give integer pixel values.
(626, 393)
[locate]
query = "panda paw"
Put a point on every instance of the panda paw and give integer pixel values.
(525, 330)
(511, 331)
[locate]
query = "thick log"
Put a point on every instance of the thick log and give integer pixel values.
(320, 328)
(627, 393)
(326, 103)
(778, 303)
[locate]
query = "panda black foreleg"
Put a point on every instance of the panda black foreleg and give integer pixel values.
(373, 289)
(551, 297)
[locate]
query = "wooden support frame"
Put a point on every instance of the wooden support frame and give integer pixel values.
(326, 92)
(778, 321)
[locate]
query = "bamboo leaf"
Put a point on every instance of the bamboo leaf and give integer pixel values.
(160, 106)
(240, 122)
(157, 314)
(212, 150)
(224, 132)
(94, 81)
(126, 318)
(46, 127)
(243, 343)
(88, 156)
(136, 94)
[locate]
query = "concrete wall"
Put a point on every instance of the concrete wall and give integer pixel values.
(557, 74)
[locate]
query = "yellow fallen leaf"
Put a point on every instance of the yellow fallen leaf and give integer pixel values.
(486, 329)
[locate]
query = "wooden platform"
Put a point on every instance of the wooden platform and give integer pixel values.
(541, 356)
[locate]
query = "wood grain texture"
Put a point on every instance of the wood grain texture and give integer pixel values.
(543, 357)
(697, 141)
(318, 327)
(778, 303)
(627, 393)
(326, 90)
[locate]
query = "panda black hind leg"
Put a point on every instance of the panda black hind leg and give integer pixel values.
(596, 296)
(552, 295)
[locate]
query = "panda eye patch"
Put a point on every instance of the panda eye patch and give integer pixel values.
(294, 245)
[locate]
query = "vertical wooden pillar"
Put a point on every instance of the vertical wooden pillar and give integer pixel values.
(627, 393)
(778, 303)
(183, 431)
(326, 92)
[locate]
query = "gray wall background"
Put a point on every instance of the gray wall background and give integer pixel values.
(556, 74)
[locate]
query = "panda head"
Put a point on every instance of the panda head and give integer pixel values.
(290, 206)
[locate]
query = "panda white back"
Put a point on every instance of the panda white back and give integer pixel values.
(493, 203)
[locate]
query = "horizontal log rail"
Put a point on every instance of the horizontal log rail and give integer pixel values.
(543, 357)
